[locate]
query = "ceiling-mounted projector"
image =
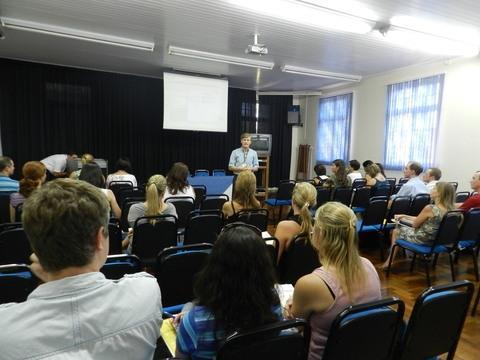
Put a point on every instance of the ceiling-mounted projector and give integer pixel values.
(256, 48)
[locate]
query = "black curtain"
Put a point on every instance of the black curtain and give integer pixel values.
(272, 119)
(46, 109)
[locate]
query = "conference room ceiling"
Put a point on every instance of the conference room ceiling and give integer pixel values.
(219, 27)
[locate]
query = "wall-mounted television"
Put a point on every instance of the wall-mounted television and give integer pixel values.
(262, 144)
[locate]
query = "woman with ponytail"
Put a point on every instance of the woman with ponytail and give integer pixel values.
(304, 196)
(344, 278)
(34, 175)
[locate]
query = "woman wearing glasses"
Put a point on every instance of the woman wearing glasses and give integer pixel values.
(344, 278)
(235, 291)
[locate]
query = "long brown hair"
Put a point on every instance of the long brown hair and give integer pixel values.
(245, 188)
(177, 178)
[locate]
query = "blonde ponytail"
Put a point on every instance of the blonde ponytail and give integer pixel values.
(154, 194)
(304, 196)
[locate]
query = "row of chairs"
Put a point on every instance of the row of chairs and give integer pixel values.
(205, 172)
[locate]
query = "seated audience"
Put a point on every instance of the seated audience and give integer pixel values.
(375, 179)
(77, 313)
(7, 167)
(339, 176)
(431, 177)
(344, 278)
(85, 159)
(57, 165)
(353, 172)
(177, 183)
(474, 200)
(123, 167)
(34, 175)
(234, 291)
(321, 174)
(92, 174)
(414, 185)
(382, 169)
(304, 197)
(243, 196)
(366, 163)
(154, 205)
(423, 228)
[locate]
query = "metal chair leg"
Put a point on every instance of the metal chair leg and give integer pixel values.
(412, 264)
(427, 270)
(391, 259)
(451, 266)
(475, 303)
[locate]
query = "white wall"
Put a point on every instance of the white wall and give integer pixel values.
(456, 153)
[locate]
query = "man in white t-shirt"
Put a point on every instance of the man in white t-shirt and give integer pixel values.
(354, 172)
(57, 164)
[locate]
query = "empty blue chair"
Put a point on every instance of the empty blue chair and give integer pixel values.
(218, 172)
(283, 197)
(202, 172)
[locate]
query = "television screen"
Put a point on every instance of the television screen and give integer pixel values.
(262, 144)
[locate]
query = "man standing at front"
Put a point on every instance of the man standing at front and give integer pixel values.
(77, 313)
(243, 158)
(7, 185)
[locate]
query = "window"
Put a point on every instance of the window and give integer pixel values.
(413, 113)
(333, 133)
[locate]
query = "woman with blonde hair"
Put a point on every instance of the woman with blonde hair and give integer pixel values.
(34, 175)
(85, 159)
(344, 278)
(375, 179)
(422, 229)
(304, 196)
(243, 196)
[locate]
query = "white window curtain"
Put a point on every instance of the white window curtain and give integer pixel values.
(413, 113)
(333, 131)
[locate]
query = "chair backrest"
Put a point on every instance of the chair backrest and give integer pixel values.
(124, 225)
(4, 207)
(436, 322)
(14, 247)
(272, 244)
(361, 197)
(382, 189)
(366, 331)
(324, 195)
(16, 282)
(449, 229)
(392, 181)
(115, 239)
(256, 217)
(359, 183)
(400, 205)
(117, 186)
(470, 229)
(202, 172)
(375, 212)
(152, 234)
(203, 226)
(214, 202)
(343, 195)
(461, 196)
(184, 206)
(299, 259)
(454, 184)
(18, 212)
(200, 192)
(218, 172)
(118, 265)
(285, 189)
(397, 188)
(268, 342)
(403, 180)
(419, 201)
(176, 270)
(132, 193)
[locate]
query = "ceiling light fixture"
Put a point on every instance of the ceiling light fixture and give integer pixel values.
(320, 73)
(309, 14)
(69, 33)
(203, 55)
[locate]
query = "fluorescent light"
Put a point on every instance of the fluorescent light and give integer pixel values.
(432, 44)
(69, 33)
(320, 73)
(307, 14)
(203, 55)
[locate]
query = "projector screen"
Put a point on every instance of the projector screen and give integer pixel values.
(194, 103)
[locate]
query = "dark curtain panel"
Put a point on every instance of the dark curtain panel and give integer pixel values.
(47, 110)
(272, 119)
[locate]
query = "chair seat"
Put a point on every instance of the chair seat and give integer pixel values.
(465, 244)
(275, 202)
(368, 228)
(358, 209)
(421, 249)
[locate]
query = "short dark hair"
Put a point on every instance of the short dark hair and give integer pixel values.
(62, 219)
(416, 167)
(239, 264)
(124, 164)
(5, 161)
(366, 163)
(320, 169)
(354, 164)
(435, 172)
(92, 173)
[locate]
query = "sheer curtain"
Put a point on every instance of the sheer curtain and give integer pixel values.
(333, 132)
(413, 113)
